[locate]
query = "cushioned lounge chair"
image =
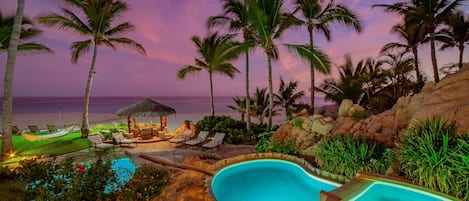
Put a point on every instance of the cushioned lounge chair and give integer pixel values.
(33, 128)
(200, 138)
(97, 142)
(184, 137)
(120, 139)
(51, 128)
(217, 141)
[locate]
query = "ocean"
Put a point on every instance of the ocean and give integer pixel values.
(29, 110)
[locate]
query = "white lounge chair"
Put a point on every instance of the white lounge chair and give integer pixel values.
(200, 138)
(217, 141)
(120, 139)
(97, 142)
(186, 135)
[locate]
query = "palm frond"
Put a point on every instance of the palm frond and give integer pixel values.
(320, 60)
(34, 48)
(61, 22)
(121, 28)
(79, 48)
(182, 73)
(126, 42)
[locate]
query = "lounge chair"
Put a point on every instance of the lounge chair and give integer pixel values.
(217, 141)
(200, 138)
(184, 137)
(51, 128)
(120, 139)
(33, 128)
(50, 136)
(97, 142)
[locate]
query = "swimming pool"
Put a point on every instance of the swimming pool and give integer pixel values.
(388, 191)
(268, 179)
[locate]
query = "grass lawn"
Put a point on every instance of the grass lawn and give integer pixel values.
(54, 147)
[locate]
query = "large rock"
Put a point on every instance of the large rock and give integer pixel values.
(447, 99)
(186, 185)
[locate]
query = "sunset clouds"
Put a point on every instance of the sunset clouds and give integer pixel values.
(164, 28)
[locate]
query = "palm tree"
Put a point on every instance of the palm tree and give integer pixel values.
(428, 15)
(412, 38)
(268, 22)
(240, 106)
(315, 18)
(455, 34)
(7, 143)
(235, 14)
(98, 25)
(287, 96)
(215, 53)
(6, 27)
(260, 106)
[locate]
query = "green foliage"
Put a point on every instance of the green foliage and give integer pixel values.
(359, 114)
(235, 130)
(49, 181)
(297, 122)
(266, 144)
(433, 155)
(146, 183)
(346, 155)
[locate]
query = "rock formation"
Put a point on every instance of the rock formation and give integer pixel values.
(447, 99)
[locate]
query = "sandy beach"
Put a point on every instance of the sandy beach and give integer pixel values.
(75, 118)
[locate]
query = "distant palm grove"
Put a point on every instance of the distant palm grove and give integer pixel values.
(375, 83)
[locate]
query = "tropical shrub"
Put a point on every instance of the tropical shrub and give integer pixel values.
(359, 114)
(266, 144)
(297, 122)
(147, 182)
(235, 130)
(433, 155)
(347, 155)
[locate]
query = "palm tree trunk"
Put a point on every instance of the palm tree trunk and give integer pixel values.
(416, 65)
(212, 109)
(7, 143)
(248, 102)
(311, 70)
(461, 53)
(271, 90)
(84, 125)
(433, 55)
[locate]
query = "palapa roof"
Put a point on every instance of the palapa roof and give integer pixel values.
(146, 107)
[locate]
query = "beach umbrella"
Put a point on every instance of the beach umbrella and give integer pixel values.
(146, 108)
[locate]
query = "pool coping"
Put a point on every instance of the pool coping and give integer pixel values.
(363, 181)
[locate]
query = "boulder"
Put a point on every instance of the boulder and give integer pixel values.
(345, 107)
(186, 185)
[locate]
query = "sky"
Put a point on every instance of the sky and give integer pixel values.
(164, 28)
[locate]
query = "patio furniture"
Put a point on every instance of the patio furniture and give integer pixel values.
(51, 128)
(97, 142)
(33, 128)
(51, 136)
(120, 139)
(200, 138)
(217, 141)
(146, 134)
(186, 135)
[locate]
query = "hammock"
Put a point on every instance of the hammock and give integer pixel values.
(49, 136)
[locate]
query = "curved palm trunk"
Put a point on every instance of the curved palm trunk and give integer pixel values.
(271, 90)
(7, 143)
(311, 70)
(212, 109)
(84, 125)
(416, 65)
(433, 55)
(461, 53)
(248, 102)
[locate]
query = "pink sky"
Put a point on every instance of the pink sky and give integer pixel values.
(164, 28)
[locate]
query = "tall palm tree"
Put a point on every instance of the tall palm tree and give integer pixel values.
(6, 27)
(98, 25)
(268, 22)
(428, 14)
(260, 106)
(287, 96)
(235, 14)
(455, 34)
(240, 106)
(215, 52)
(7, 143)
(411, 38)
(315, 18)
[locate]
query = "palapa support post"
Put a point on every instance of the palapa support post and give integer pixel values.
(161, 123)
(135, 122)
(128, 123)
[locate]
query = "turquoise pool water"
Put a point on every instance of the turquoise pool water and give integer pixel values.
(390, 192)
(268, 179)
(124, 169)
